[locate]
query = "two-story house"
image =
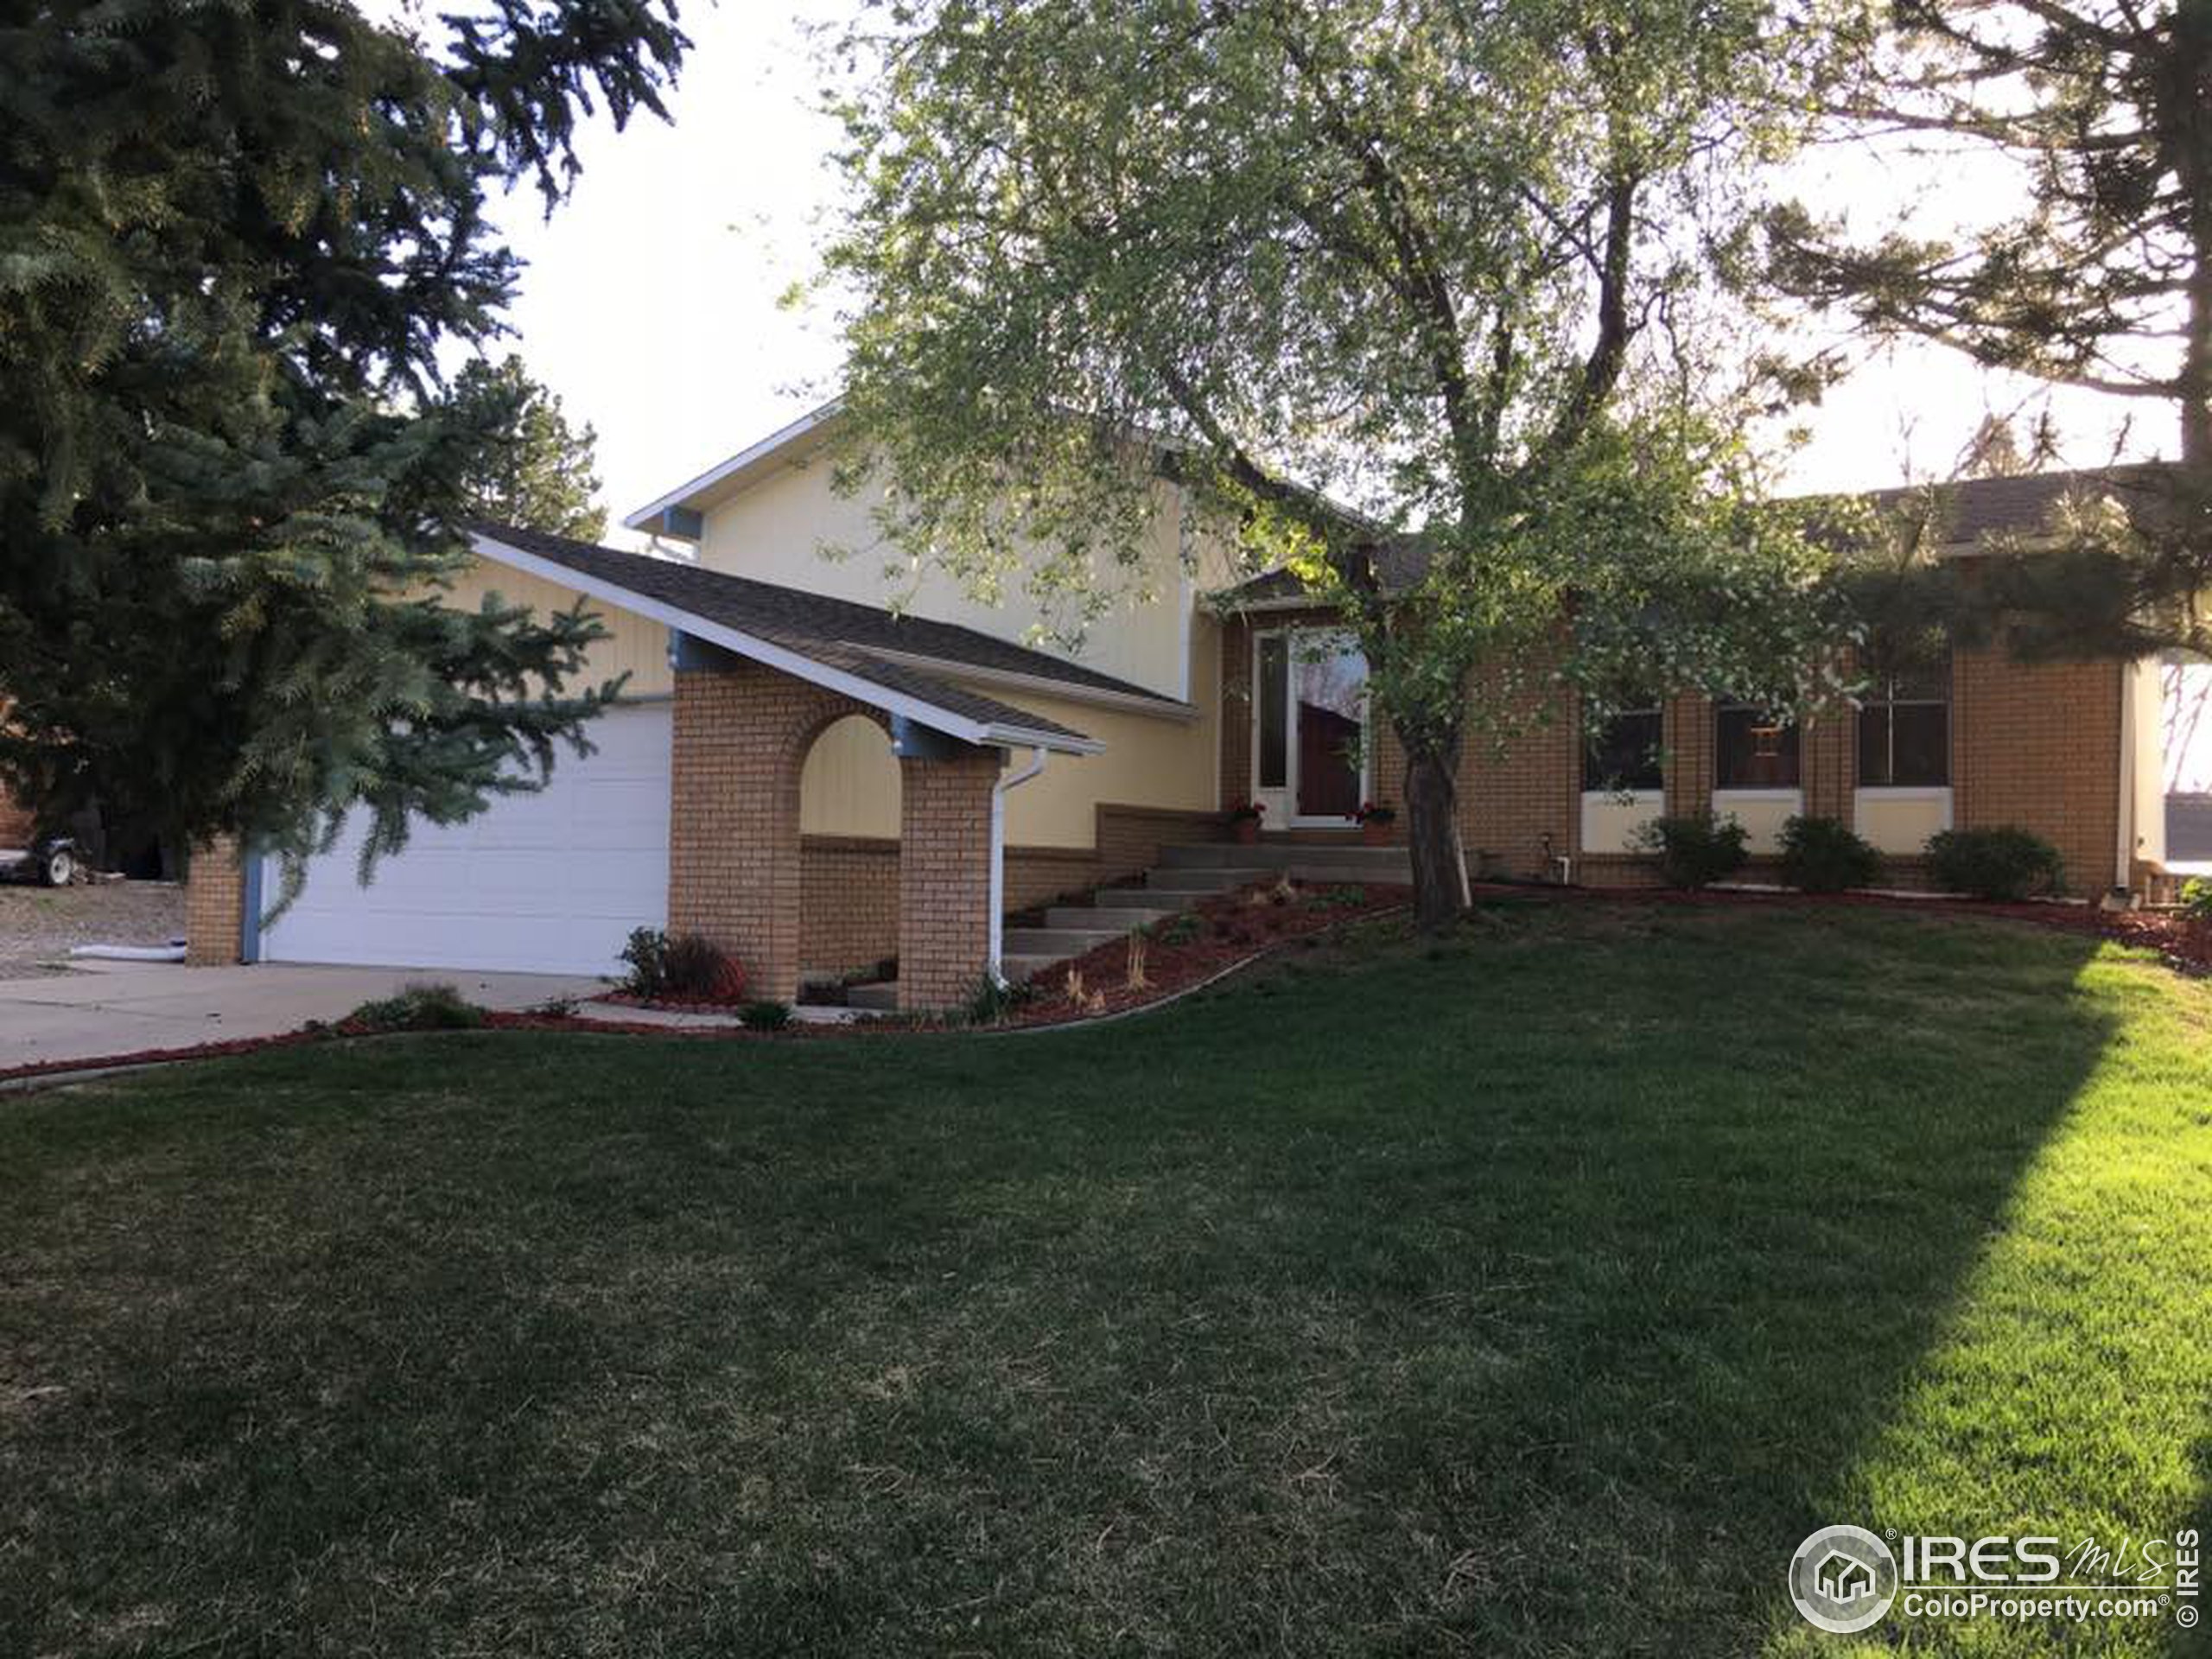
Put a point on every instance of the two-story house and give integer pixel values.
(824, 756)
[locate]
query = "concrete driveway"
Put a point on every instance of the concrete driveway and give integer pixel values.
(109, 1008)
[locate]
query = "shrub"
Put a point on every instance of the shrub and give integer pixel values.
(1694, 851)
(1823, 855)
(2007, 863)
(2196, 899)
(990, 1002)
(646, 951)
(1337, 899)
(1177, 930)
(684, 966)
(765, 1015)
(419, 1007)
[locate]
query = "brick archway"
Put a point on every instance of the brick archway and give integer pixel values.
(741, 733)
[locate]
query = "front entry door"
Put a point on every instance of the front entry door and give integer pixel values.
(1309, 727)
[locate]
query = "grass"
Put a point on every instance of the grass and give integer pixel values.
(1532, 1293)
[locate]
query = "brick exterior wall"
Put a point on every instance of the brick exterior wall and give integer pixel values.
(944, 876)
(1037, 875)
(849, 905)
(739, 737)
(2038, 745)
(1236, 706)
(1519, 792)
(2035, 745)
(848, 902)
(1129, 838)
(740, 875)
(214, 904)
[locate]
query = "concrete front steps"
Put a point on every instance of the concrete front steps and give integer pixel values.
(1183, 877)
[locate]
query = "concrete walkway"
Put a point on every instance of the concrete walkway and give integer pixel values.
(109, 1008)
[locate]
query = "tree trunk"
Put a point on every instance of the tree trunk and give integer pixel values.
(2191, 68)
(1433, 831)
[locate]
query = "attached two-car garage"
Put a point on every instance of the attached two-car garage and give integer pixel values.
(547, 881)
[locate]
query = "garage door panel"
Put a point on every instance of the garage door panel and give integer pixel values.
(550, 881)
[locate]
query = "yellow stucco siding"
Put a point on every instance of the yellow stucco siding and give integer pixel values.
(636, 645)
(778, 529)
(2145, 765)
(1147, 762)
(849, 784)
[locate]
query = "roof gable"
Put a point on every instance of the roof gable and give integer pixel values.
(873, 655)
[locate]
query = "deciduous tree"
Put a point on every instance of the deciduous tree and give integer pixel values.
(1410, 295)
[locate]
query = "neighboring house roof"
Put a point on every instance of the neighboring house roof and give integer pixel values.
(900, 663)
(1975, 508)
(1970, 510)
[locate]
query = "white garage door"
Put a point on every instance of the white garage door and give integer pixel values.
(548, 882)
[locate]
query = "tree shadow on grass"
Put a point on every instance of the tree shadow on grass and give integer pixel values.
(1531, 1299)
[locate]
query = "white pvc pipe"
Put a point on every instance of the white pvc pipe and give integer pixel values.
(128, 952)
(1007, 781)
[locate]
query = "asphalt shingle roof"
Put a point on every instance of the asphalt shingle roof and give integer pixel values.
(1977, 507)
(1969, 511)
(834, 633)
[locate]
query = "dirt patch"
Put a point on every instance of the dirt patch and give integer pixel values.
(39, 924)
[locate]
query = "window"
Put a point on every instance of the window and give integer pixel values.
(1752, 749)
(1905, 729)
(1623, 753)
(1274, 711)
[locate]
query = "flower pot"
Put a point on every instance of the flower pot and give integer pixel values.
(1247, 831)
(1375, 832)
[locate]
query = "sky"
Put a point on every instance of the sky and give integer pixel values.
(651, 300)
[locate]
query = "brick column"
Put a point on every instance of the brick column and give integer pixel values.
(1514, 793)
(734, 865)
(1827, 764)
(1236, 710)
(214, 904)
(1687, 723)
(2038, 745)
(944, 876)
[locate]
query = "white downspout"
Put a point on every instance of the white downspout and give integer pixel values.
(1007, 781)
(2123, 876)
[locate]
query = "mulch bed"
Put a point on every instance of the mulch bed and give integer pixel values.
(1226, 931)
(2185, 944)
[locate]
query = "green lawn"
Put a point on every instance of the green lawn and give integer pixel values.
(1535, 1292)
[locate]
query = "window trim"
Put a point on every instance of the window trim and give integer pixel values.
(1655, 710)
(1772, 791)
(1887, 705)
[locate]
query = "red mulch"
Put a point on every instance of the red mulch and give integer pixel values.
(2185, 944)
(1232, 929)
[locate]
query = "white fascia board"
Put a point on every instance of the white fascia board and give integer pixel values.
(780, 657)
(1021, 737)
(1043, 684)
(1220, 601)
(749, 456)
